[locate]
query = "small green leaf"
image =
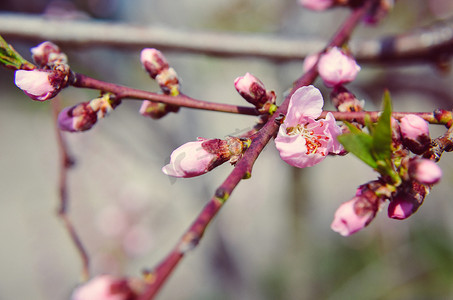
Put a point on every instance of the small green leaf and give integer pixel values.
(10, 58)
(360, 144)
(382, 133)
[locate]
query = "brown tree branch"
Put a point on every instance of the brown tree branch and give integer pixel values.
(431, 43)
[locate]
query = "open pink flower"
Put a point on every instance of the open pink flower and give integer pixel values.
(335, 67)
(302, 140)
(317, 4)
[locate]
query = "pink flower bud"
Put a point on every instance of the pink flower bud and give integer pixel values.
(156, 110)
(415, 133)
(345, 101)
(153, 61)
(353, 216)
(425, 171)
(195, 158)
(47, 53)
(39, 85)
(335, 67)
(77, 118)
(401, 208)
(409, 198)
(317, 4)
(252, 90)
(168, 81)
(104, 287)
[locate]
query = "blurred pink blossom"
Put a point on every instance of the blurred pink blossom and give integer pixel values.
(335, 67)
(425, 171)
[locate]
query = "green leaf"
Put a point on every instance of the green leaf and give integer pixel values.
(382, 133)
(360, 144)
(10, 58)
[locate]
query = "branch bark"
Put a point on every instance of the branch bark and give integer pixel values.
(431, 43)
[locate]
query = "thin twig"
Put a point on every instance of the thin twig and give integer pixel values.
(65, 164)
(123, 92)
(423, 44)
(242, 170)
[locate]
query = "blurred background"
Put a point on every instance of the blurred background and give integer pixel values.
(272, 240)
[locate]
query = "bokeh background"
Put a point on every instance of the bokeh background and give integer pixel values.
(272, 240)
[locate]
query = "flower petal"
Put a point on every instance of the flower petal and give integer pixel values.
(306, 102)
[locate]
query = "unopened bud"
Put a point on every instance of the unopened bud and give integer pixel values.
(84, 115)
(156, 110)
(358, 212)
(353, 216)
(335, 67)
(77, 118)
(48, 54)
(199, 157)
(168, 81)
(153, 61)
(407, 200)
(254, 91)
(345, 101)
(40, 85)
(425, 171)
(415, 133)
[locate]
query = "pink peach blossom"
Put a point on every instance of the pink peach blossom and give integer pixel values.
(302, 140)
(335, 67)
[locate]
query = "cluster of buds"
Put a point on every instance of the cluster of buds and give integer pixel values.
(201, 156)
(254, 92)
(158, 68)
(416, 176)
(107, 287)
(53, 73)
(84, 115)
(345, 101)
